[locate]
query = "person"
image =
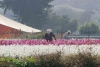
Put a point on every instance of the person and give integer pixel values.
(49, 35)
(66, 34)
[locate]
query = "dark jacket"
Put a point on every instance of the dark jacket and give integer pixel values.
(48, 37)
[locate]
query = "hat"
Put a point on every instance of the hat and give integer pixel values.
(49, 30)
(69, 32)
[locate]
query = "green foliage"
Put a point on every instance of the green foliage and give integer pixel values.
(29, 12)
(35, 36)
(30, 36)
(82, 60)
(61, 23)
(40, 35)
(7, 62)
(30, 62)
(56, 59)
(73, 25)
(50, 60)
(68, 24)
(13, 62)
(89, 28)
(73, 60)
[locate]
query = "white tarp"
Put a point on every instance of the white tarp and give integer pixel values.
(16, 25)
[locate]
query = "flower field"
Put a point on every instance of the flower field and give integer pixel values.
(54, 42)
(58, 53)
(32, 47)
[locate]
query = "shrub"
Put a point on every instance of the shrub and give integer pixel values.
(13, 62)
(82, 60)
(53, 60)
(50, 60)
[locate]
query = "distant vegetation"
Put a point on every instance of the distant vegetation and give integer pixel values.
(89, 28)
(61, 24)
(29, 12)
(52, 13)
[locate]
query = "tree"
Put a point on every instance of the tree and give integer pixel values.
(68, 24)
(61, 23)
(29, 12)
(86, 16)
(73, 25)
(89, 28)
(53, 22)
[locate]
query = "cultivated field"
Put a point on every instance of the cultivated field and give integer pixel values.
(28, 50)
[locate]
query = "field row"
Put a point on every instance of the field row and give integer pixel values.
(26, 50)
(55, 42)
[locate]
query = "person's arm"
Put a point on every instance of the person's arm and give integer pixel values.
(65, 35)
(45, 36)
(54, 36)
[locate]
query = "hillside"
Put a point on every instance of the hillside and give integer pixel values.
(67, 10)
(81, 4)
(84, 10)
(79, 9)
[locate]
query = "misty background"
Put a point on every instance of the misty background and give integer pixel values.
(80, 10)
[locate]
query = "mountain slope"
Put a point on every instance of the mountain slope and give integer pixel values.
(67, 10)
(81, 4)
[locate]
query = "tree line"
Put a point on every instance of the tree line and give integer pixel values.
(38, 14)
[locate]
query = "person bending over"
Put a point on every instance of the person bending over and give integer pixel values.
(66, 34)
(49, 35)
